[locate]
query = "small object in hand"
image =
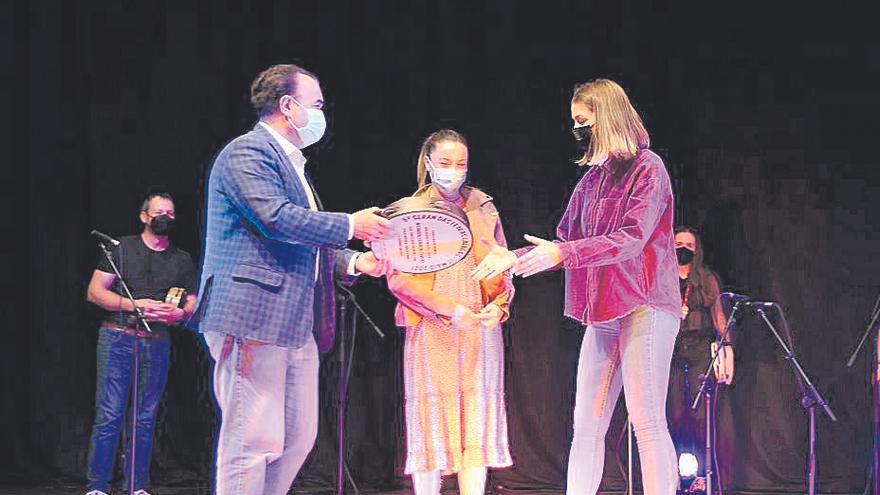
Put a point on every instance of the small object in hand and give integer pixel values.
(175, 296)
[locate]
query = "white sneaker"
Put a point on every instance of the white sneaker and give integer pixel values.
(141, 492)
(96, 492)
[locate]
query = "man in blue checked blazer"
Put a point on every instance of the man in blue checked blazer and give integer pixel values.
(266, 298)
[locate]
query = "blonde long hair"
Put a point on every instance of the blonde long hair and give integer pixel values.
(428, 146)
(618, 130)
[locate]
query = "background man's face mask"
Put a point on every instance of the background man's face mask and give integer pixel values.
(162, 224)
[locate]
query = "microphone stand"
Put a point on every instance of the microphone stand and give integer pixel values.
(139, 313)
(874, 369)
(810, 399)
(706, 388)
(344, 374)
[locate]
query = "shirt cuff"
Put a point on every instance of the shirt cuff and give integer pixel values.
(351, 270)
(350, 226)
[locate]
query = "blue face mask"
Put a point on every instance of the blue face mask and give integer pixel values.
(314, 129)
(447, 179)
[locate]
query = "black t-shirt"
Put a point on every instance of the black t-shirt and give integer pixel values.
(149, 274)
(699, 318)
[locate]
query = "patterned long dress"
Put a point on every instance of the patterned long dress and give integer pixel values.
(454, 386)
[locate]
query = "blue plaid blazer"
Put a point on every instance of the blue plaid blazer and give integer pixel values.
(258, 270)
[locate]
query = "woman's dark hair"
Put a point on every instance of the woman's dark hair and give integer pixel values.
(701, 275)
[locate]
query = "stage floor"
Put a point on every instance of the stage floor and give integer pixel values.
(76, 490)
(203, 491)
(55, 490)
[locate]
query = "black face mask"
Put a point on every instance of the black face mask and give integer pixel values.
(583, 135)
(685, 255)
(162, 225)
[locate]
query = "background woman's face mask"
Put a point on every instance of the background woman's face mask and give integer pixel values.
(685, 255)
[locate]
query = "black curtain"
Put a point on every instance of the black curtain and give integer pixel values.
(765, 125)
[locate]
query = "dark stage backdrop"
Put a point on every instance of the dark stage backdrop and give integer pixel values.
(766, 125)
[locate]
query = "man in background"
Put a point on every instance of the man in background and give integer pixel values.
(151, 266)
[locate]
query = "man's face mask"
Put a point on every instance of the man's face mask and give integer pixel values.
(162, 225)
(314, 129)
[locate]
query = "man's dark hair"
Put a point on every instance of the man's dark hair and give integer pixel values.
(272, 84)
(145, 207)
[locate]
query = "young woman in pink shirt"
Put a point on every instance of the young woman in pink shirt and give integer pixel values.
(615, 243)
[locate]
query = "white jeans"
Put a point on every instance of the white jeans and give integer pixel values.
(268, 400)
(632, 352)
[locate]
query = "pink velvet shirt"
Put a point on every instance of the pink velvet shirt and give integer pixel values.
(617, 241)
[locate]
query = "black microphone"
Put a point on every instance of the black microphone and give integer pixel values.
(761, 304)
(734, 298)
(104, 237)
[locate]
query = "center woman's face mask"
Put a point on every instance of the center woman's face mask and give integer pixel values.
(448, 179)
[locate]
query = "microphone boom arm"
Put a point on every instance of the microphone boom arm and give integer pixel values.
(138, 311)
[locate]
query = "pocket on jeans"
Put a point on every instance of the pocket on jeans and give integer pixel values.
(112, 336)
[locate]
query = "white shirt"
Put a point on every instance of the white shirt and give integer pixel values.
(299, 166)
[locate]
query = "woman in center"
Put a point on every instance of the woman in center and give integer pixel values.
(453, 361)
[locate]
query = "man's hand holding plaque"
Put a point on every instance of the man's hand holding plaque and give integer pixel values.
(368, 264)
(368, 225)
(426, 235)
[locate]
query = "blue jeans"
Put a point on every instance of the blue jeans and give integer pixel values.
(632, 353)
(115, 358)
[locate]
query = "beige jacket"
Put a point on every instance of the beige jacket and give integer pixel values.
(415, 292)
